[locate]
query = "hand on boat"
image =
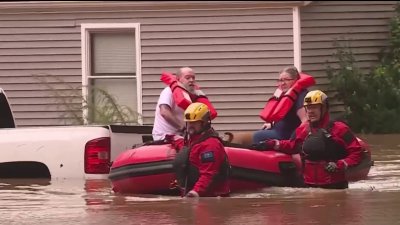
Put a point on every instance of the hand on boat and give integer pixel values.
(340, 165)
(266, 145)
(192, 194)
(331, 167)
(266, 126)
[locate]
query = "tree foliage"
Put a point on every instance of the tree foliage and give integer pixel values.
(372, 99)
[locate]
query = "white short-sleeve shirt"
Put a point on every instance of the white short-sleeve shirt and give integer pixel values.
(161, 126)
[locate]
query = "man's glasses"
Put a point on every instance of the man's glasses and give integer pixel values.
(284, 80)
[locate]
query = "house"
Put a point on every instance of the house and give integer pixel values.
(237, 49)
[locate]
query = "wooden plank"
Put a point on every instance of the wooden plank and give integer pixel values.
(345, 15)
(34, 122)
(323, 67)
(40, 37)
(346, 8)
(224, 105)
(345, 30)
(38, 93)
(350, 3)
(203, 19)
(46, 108)
(217, 41)
(221, 90)
(220, 62)
(324, 59)
(268, 75)
(40, 51)
(40, 58)
(210, 27)
(356, 50)
(218, 84)
(223, 98)
(217, 33)
(40, 65)
(329, 44)
(37, 23)
(345, 23)
(224, 69)
(355, 36)
(38, 86)
(225, 112)
(38, 30)
(40, 79)
(40, 44)
(218, 48)
(41, 71)
(217, 55)
(148, 14)
(40, 101)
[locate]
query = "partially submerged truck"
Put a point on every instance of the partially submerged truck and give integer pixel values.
(58, 152)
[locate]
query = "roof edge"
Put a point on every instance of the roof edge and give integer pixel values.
(43, 6)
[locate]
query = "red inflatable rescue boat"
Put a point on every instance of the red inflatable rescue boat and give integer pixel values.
(149, 170)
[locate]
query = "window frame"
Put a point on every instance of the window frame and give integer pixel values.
(86, 30)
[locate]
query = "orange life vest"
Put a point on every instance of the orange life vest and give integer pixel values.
(182, 97)
(280, 103)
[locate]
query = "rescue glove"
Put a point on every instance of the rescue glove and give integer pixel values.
(331, 167)
(340, 165)
(266, 145)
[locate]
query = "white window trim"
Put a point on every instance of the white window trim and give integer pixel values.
(297, 38)
(86, 29)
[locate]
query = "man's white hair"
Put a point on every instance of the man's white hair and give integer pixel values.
(183, 70)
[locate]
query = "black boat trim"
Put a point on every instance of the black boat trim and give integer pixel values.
(267, 178)
(142, 169)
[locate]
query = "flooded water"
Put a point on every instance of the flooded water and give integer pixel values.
(370, 202)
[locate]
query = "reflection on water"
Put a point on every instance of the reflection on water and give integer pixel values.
(373, 201)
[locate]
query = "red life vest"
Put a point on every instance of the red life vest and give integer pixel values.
(182, 97)
(279, 105)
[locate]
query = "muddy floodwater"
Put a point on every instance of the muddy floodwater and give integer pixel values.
(375, 201)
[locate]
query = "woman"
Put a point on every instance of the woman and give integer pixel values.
(284, 112)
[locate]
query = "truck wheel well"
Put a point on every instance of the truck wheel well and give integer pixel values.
(24, 169)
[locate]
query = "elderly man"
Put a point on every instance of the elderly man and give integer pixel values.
(169, 116)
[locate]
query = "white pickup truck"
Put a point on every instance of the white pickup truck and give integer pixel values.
(62, 151)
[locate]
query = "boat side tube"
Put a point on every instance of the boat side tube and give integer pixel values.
(142, 169)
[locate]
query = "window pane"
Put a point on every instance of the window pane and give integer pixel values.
(113, 53)
(124, 93)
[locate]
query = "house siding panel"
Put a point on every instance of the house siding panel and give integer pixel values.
(236, 54)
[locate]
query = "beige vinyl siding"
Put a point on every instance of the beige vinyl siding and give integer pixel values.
(364, 23)
(236, 54)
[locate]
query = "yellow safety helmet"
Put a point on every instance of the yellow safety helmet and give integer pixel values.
(315, 97)
(197, 111)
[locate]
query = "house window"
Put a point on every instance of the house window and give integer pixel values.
(111, 67)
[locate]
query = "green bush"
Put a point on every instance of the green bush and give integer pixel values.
(102, 108)
(372, 99)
